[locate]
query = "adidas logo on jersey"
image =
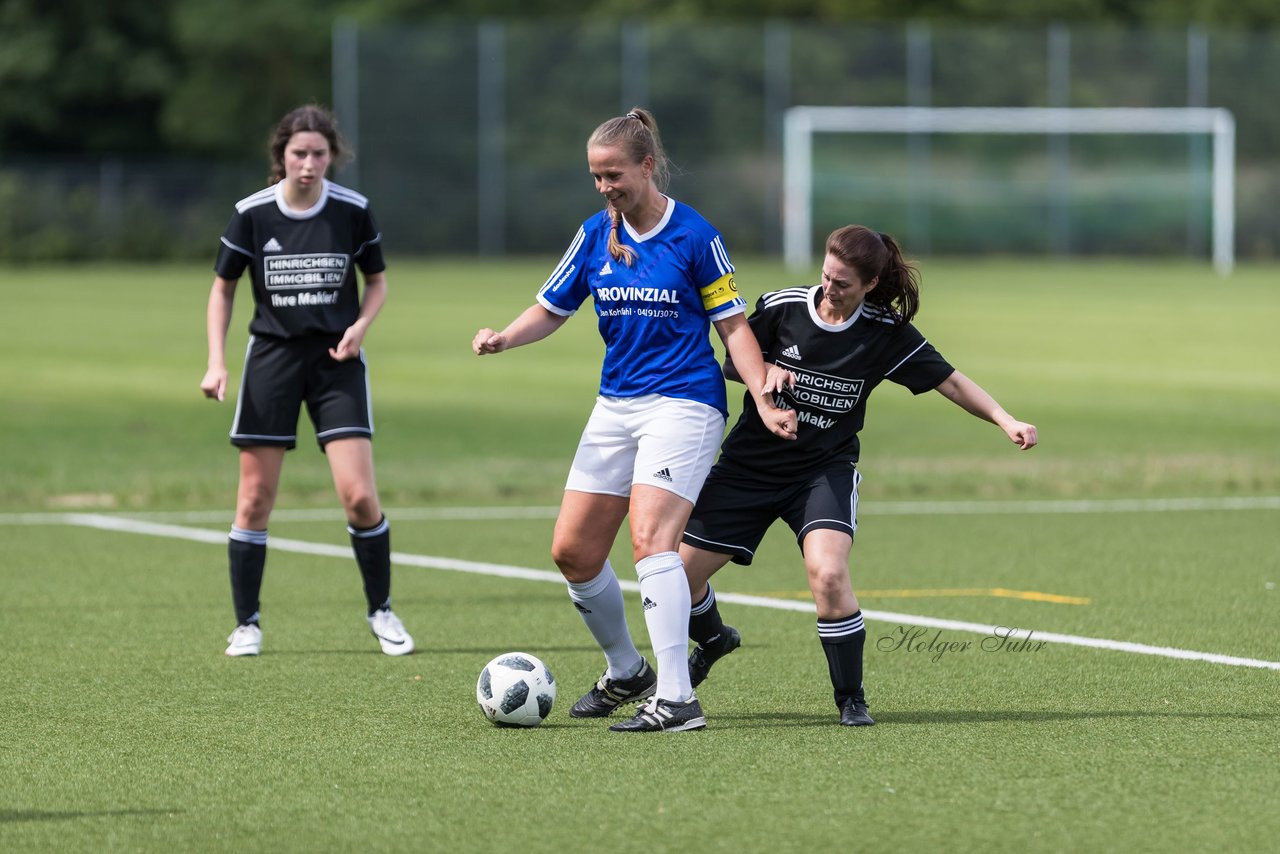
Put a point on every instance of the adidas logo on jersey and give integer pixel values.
(665, 474)
(792, 352)
(272, 245)
(649, 603)
(606, 270)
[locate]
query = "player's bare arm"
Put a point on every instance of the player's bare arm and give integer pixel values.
(972, 398)
(375, 295)
(533, 324)
(743, 352)
(217, 321)
(775, 378)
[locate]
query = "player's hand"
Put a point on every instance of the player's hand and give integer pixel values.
(349, 346)
(488, 341)
(781, 422)
(214, 384)
(776, 379)
(1022, 434)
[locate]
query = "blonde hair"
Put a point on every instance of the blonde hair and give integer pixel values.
(636, 134)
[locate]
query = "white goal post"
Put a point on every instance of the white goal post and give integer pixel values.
(801, 123)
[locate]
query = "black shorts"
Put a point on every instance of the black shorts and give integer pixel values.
(281, 373)
(734, 511)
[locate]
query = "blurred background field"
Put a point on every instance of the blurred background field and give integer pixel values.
(1145, 380)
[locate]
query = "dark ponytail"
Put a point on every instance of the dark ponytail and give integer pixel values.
(872, 255)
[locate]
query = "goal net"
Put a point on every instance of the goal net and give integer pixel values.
(1140, 171)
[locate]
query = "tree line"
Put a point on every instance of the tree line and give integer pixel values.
(188, 77)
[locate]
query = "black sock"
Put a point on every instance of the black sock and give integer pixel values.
(705, 624)
(842, 641)
(247, 555)
(373, 554)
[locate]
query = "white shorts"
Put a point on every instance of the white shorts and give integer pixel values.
(653, 440)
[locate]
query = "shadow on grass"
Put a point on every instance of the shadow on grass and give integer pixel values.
(13, 816)
(968, 716)
(488, 651)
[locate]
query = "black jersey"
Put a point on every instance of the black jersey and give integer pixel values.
(836, 367)
(302, 263)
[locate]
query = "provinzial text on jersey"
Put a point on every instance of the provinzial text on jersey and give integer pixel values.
(631, 292)
(301, 271)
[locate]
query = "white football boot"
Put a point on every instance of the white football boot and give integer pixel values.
(245, 640)
(389, 631)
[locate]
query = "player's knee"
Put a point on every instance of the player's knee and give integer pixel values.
(828, 584)
(574, 563)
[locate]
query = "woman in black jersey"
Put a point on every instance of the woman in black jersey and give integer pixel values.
(301, 239)
(828, 346)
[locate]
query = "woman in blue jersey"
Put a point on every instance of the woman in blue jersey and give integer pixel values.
(301, 239)
(828, 346)
(660, 277)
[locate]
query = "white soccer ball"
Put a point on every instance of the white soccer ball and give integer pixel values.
(516, 689)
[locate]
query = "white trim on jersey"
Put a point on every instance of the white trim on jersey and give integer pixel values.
(377, 239)
(905, 358)
(662, 223)
(234, 248)
(796, 294)
(822, 324)
(310, 212)
(347, 194)
(880, 313)
(722, 257)
(265, 196)
(560, 273)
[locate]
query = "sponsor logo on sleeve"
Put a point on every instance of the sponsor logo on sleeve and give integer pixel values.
(721, 292)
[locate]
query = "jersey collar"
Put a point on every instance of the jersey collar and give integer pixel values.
(822, 324)
(309, 212)
(666, 218)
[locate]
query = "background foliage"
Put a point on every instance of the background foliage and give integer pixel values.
(187, 76)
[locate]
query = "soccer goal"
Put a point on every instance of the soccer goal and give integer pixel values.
(802, 123)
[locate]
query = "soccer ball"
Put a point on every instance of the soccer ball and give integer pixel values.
(516, 689)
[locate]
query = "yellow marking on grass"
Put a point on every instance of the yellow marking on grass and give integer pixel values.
(953, 592)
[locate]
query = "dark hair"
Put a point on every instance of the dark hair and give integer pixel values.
(310, 118)
(636, 134)
(873, 254)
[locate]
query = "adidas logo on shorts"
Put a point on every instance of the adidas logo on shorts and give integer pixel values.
(792, 352)
(649, 603)
(665, 474)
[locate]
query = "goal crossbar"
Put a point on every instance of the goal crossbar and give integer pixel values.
(801, 123)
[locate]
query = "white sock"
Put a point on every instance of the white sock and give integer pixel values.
(665, 592)
(599, 602)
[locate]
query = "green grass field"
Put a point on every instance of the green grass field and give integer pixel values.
(1155, 390)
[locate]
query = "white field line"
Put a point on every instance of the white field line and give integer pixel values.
(865, 508)
(157, 529)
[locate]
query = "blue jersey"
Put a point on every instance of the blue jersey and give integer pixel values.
(655, 316)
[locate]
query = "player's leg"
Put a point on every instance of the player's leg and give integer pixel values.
(586, 528)
(827, 539)
(264, 427)
(728, 522)
(260, 468)
(591, 512)
(351, 462)
(712, 638)
(677, 444)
